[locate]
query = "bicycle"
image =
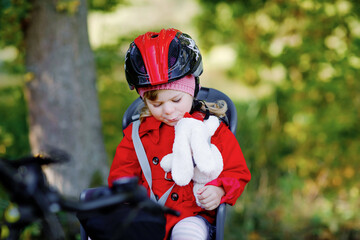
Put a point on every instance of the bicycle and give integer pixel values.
(35, 199)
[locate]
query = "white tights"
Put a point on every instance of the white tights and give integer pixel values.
(190, 228)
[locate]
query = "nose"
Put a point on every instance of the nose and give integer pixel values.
(168, 108)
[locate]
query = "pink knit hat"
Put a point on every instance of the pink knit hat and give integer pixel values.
(185, 84)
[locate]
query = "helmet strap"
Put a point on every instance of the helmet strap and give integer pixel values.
(197, 86)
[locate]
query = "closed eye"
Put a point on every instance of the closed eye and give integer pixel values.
(176, 100)
(156, 104)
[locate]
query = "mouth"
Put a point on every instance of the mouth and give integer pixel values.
(172, 120)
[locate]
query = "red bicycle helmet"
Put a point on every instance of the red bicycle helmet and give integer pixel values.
(158, 58)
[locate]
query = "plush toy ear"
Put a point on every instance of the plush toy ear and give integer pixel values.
(200, 145)
(200, 141)
(212, 124)
(182, 163)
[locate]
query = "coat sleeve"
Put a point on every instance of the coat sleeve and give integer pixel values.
(235, 174)
(125, 163)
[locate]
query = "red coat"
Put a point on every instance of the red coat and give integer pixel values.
(158, 140)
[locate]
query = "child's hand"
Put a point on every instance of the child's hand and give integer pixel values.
(210, 196)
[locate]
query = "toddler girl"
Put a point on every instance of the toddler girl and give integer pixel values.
(164, 68)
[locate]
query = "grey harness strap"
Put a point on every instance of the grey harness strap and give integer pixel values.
(144, 163)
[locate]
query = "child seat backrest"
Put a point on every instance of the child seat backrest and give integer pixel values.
(206, 94)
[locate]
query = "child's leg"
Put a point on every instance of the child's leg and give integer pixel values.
(191, 228)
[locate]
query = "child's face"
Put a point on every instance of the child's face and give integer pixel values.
(170, 106)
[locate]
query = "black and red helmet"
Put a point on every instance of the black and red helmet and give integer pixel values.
(158, 58)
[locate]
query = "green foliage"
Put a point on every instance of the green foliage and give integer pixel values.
(104, 5)
(13, 123)
(302, 140)
(13, 16)
(13, 19)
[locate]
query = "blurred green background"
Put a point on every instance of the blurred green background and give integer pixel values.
(292, 69)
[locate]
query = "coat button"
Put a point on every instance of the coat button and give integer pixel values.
(155, 160)
(174, 196)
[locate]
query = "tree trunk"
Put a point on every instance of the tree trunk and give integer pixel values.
(61, 93)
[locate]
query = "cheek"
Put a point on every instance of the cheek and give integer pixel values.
(155, 111)
(189, 107)
(185, 109)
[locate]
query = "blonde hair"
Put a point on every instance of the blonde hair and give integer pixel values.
(217, 108)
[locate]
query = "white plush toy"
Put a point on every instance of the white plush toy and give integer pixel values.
(194, 157)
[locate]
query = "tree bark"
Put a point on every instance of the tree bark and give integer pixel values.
(61, 94)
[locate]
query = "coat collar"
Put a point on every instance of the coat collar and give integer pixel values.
(152, 126)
